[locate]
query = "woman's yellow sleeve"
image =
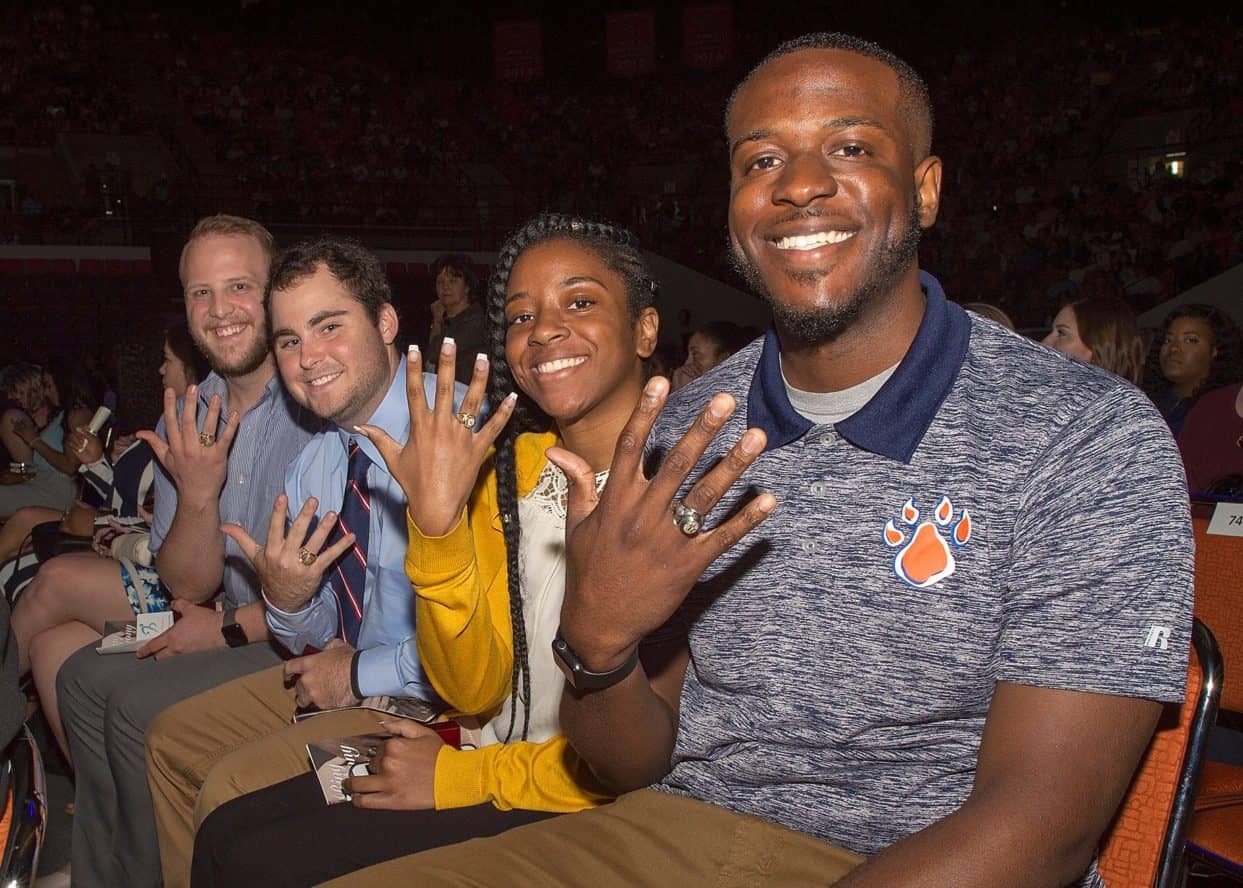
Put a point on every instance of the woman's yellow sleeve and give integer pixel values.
(546, 776)
(461, 610)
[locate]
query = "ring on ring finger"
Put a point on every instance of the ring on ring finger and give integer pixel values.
(306, 556)
(687, 520)
(466, 419)
(206, 440)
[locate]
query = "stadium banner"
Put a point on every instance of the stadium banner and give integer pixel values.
(518, 50)
(707, 35)
(630, 38)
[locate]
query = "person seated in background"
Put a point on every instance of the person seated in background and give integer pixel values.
(456, 314)
(1211, 442)
(486, 562)
(60, 595)
(709, 346)
(1100, 330)
(33, 429)
(121, 481)
(1200, 351)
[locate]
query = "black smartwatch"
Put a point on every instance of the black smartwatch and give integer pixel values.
(582, 679)
(231, 629)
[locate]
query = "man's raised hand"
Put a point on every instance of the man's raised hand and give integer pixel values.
(628, 565)
(438, 464)
(291, 564)
(198, 463)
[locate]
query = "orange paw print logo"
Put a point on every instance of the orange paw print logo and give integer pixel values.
(924, 557)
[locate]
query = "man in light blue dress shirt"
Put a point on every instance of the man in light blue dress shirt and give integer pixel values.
(334, 329)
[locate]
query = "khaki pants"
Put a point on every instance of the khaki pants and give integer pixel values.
(645, 838)
(225, 743)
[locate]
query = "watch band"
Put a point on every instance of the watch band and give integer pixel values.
(583, 679)
(233, 632)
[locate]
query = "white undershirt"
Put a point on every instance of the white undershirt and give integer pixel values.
(830, 408)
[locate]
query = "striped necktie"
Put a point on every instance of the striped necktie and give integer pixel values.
(349, 577)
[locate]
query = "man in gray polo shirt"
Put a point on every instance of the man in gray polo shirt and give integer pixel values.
(932, 651)
(223, 455)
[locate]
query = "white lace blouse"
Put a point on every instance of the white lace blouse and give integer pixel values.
(541, 565)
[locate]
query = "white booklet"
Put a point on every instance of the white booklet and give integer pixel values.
(125, 636)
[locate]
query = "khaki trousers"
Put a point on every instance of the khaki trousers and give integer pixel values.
(225, 743)
(645, 838)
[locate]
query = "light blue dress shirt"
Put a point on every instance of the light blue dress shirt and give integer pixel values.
(388, 660)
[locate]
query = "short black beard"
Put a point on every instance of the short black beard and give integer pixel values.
(251, 361)
(886, 266)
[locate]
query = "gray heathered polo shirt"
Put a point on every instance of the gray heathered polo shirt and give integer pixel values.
(997, 512)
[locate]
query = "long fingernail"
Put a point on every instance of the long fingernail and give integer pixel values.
(412, 354)
(511, 397)
(481, 360)
(448, 345)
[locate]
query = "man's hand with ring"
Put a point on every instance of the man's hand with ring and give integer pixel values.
(198, 471)
(440, 460)
(626, 531)
(289, 579)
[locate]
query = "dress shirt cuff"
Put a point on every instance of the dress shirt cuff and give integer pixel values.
(382, 670)
(430, 560)
(313, 626)
(354, 675)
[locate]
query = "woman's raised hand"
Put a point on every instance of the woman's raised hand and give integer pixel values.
(438, 464)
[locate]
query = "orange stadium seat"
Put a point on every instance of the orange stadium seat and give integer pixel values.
(1216, 835)
(1144, 847)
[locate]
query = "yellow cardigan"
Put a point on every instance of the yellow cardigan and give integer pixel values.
(465, 642)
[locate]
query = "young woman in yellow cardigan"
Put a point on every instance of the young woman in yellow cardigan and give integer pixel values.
(571, 320)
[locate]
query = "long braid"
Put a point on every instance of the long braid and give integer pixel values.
(617, 247)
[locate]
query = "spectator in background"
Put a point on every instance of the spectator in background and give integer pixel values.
(709, 346)
(31, 438)
(1199, 352)
(1102, 331)
(1211, 441)
(62, 594)
(456, 314)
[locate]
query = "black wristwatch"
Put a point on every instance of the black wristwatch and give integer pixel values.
(582, 679)
(231, 629)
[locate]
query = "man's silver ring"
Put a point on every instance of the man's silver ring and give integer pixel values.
(466, 419)
(687, 519)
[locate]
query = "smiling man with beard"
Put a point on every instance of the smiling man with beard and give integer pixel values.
(223, 454)
(933, 650)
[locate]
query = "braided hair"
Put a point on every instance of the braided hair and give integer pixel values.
(617, 248)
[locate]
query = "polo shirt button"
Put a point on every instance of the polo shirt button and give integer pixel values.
(819, 488)
(807, 546)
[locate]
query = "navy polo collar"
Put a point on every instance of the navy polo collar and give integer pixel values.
(894, 422)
